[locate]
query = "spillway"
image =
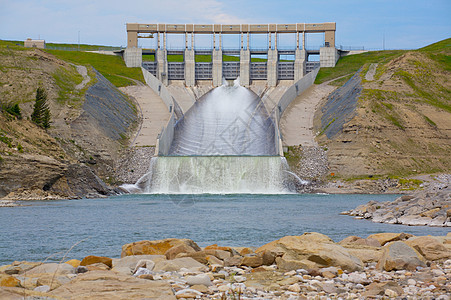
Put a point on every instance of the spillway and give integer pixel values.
(224, 144)
(229, 120)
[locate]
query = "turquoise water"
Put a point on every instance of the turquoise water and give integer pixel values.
(45, 228)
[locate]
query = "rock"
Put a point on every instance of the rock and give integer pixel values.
(355, 240)
(158, 247)
(100, 284)
(73, 262)
(252, 261)
(201, 288)
(182, 248)
(132, 260)
(200, 256)
(233, 261)
(178, 263)
(144, 263)
(429, 247)
(97, 266)
(92, 259)
(356, 277)
(311, 250)
(386, 237)
(221, 254)
(365, 253)
(9, 281)
(187, 293)
(268, 257)
(239, 278)
(201, 279)
(42, 288)
(213, 260)
(146, 276)
(19, 267)
(52, 268)
(294, 288)
(391, 293)
(400, 256)
(81, 269)
(142, 271)
(379, 288)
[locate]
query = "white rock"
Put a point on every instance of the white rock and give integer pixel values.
(144, 263)
(188, 292)
(356, 277)
(291, 273)
(294, 288)
(142, 271)
(391, 293)
(240, 278)
(202, 279)
(411, 282)
(42, 288)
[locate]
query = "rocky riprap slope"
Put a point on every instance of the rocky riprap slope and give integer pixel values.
(310, 266)
(428, 207)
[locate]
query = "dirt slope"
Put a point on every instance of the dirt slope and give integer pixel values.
(402, 121)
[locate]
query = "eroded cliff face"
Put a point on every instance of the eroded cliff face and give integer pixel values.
(91, 121)
(400, 125)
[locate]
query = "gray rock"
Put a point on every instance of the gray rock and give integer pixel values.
(202, 279)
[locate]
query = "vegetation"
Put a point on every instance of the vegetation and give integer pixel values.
(12, 109)
(352, 63)
(41, 111)
(110, 66)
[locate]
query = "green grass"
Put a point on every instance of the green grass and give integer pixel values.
(82, 47)
(110, 66)
(352, 63)
(66, 81)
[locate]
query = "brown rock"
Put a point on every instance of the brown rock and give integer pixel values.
(429, 247)
(216, 247)
(386, 237)
(311, 250)
(182, 248)
(213, 260)
(200, 256)
(201, 288)
(400, 256)
(268, 257)
(73, 262)
(97, 267)
(328, 275)
(178, 263)
(252, 261)
(9, 281)
(92, 259)
(146, 276)
(246, 251)
(158, 247)
(379, 288)
(233, 261)
(108, 285)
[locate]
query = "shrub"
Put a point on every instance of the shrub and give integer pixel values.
(41, 111)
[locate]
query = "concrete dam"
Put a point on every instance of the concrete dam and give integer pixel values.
(226, 139)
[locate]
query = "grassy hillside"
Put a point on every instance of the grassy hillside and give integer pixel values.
(402, 125)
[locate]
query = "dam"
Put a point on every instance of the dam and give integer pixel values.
(223, 132)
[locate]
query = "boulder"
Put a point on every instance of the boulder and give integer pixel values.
(19, 267)
(92, 259)
(201, 279)
(379, 288)
(311, 250)
(252, 261)
(200, 256)
(159, 247)
(366, 254)
(182, 248)
(53, 268)
(400, 256)
(132, 260)
(97, 266)
(233, 261)
(9, 281)
(355, 240)
(110, 285)
(73, 262)
(386, 237)
(429, 247)
(178, 263)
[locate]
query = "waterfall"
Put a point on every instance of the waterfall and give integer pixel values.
(224, 144)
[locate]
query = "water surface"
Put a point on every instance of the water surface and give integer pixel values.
(44, 228)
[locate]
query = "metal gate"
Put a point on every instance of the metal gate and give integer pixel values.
(285, 70)
(259, 70)
(176, 70)
(204, 70)
(150, 66)
(230, 69)
(311, 65)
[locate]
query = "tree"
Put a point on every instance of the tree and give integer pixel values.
(41, 111)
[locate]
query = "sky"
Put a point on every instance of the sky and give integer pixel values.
(389, 24)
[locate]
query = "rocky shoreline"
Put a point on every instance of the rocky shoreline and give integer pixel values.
(428, 207)
(310, 266)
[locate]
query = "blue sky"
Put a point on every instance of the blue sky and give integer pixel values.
(405, 24)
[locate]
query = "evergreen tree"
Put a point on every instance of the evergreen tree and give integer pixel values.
(41, 111)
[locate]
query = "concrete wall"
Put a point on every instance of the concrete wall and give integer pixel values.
(133, 57)
(299, 64)
(245, 65)
(296, 89)
(165, 138)
(158, 87)
(190, 68)
(273, 59)
(328, 56)
(217, 67)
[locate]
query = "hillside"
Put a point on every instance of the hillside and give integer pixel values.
(91, 122)
(401, 123)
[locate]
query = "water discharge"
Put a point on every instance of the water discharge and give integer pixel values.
(224, 144)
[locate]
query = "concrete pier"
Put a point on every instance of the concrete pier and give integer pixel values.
(299, 64)
(217, 67)
(245, 62)
(162, 65)
(190, 68)
(272, 72)
(133, 57)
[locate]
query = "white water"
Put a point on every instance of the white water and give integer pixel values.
(223, 145)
